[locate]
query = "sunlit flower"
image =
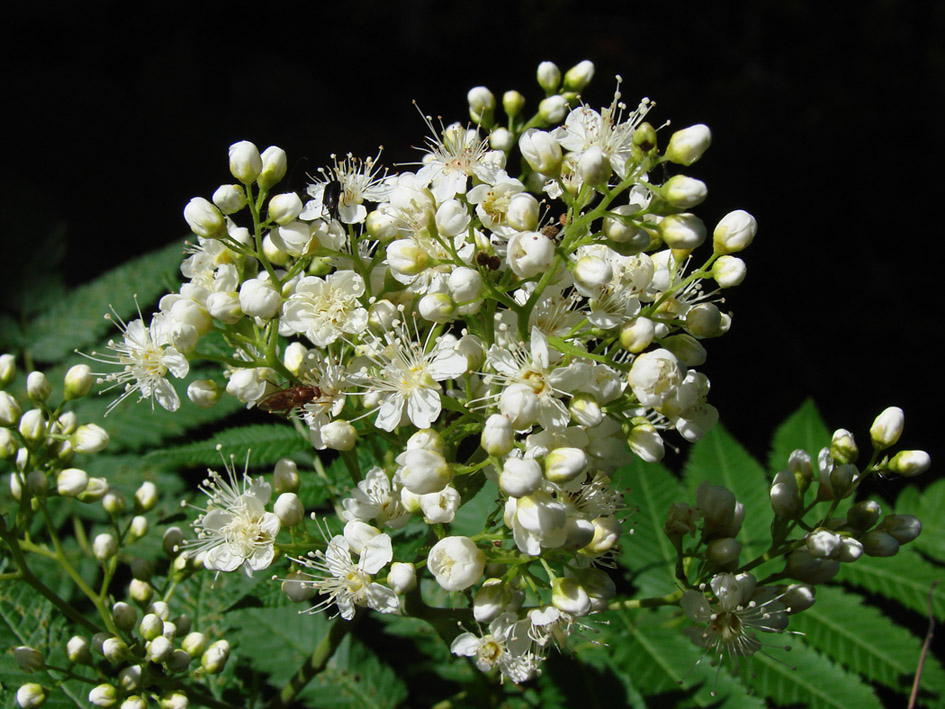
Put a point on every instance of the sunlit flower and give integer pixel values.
(453, 156)
(359, 181)
(505, 647)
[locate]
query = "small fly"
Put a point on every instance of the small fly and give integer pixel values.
(285, 400)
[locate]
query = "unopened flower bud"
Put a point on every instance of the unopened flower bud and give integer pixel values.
(562, 465)
(90, 438)
(785, 496)
(687, 145)
(637, 334)
(822, 543)
(579, 76)
(456, 563)
(259, 299)
(104, 546)
(592, 272)
(28, 659)
(214, 657)
(133, 701)
(77, 650)
(7, 369)
(115, 650)
(159, 648)
(497, 436)
(31, 695)
(140, 591)
(585, 410)
(146, 496)
(289, 509)
(850, 550)
(606, 534)
(285, 477)
(245, 161)
(465, 284)
(843, 479)
(502, 139)
(402, 577)
(549, 77)
(174, 700)
(879, 543)
(204, 219)
(863, 515)
(7, 444)
(682, 231)
(172, 540)
(104, 695)
(481, 104)
(704, 320)
(910, 463)
(151, 626)
(129, 679)
(887, 427)
(139, 527)
(284, 208)
(78, 382)
(520, 476)
(273, 167)
(229, 199)
(32, 427)
(553, 109)
(512, 103)
(530, 253)
(734, 232)
(436, 307)
(37, 387)
(568, 595)
(594, 166)
(729, 271)
(682, 192)
(798, 597)
(843, 447)
(125, 615)
(94, 491)
(802, 566)
(541, 151)
(194, 644)
(10, 410)
(519, 404)
(113, 502)
(903, 528)
(723, 552)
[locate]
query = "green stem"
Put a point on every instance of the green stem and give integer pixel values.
(670, 599)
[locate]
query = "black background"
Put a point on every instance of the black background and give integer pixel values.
(826, 118)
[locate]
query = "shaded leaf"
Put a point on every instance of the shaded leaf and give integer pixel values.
(927, 505)
(267, 443)
(803, 429)
(905, 578)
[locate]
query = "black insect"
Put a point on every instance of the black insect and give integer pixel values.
(330, 198)
(285, 400)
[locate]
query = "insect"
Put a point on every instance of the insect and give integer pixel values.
(285, 400)
(330, 198)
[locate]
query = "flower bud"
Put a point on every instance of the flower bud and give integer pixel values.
(259, 299)
(245, 161)
(140, 591)
(541, 151)
(502, 139)
(606, 534)
(125, 615)
(90, 438)
(424, 471)
(687, 145)
(289, 509)
(530, 253)
(887, 427)
(456, 563)
(723, 552)
(273, 167)
(32, 427)
(523, 212)
(114, 649)
(553, 109)
(646, 443)
(159, 649)
(843, 479)
(31, 695)
(133, 701)
(519, 404)
(843, 447)
(798, 597)
(704, 320)
(194, 644)
(229, 199)
(864, 515)
(404, 256)
(94, 491)
(822, 543)
(130, 678)
(910, 463)
(785, 496)
(585, 410)
(497, 436)
(562, 465)
(520, 476)
(729, 271)
(683, 192)
(594, 166)
(717, 504)
(402, 577)
(172, 540)
(592, 272)
(104, 546)
(465, 284)
(850, 550)
(284, 208)
(78, 382)
(7, 445)
(903, 528)
(579, 76)
(682, 231)
(174, 700)
(77, 650)
(37, 387)
(512, 103)
(804, 567)
(204, 219)
(637, 334)
(113, 502)
(549, 77)
(7, 369)
(103, 695)
(879, 543)
(734, 233)
(177, 661)
(481, 104)
(214, 658)
(28, 659)
(436, 307)
(568, 595)
(285, 478)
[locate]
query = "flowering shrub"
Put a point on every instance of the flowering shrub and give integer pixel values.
(488, 356)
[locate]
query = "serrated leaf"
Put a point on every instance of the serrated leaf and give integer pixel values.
(905, 578)
(718, 459)
(927, 505)
(77, 321)
(647, 554)
(803, 429)
(863, 639)
(267, 443)
(653, 657)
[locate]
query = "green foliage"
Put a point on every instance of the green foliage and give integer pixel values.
(266, 443)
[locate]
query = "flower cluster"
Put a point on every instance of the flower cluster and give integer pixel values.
(523, 313)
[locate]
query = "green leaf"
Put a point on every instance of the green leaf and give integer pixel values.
(905, 577)
(647, 554)
(927, 505)
(863, 638)
(267, 443)
(77, 321)
(803, 429)
(718, 459)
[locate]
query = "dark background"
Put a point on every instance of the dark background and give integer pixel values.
(826, 120)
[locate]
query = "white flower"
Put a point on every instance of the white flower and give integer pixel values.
(404, 375)
(492, 204)
(456, 563)
(348, 584)
(455, 156)
(235, 529)
(655, 376)
(505, 647)
(146, 356)
(375, 499)
(359, 180)
(585, 128)
(325, 309)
